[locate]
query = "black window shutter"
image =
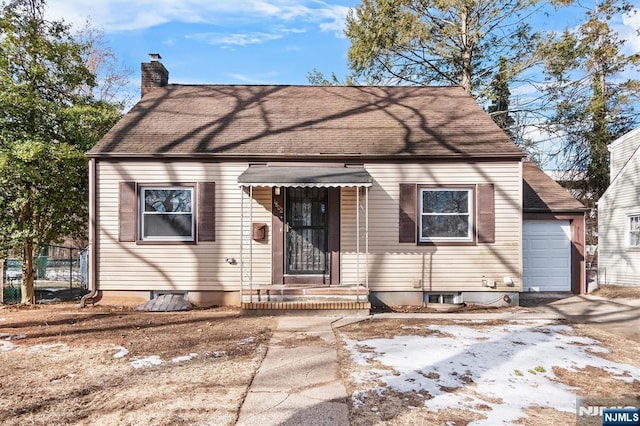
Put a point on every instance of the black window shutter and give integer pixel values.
(206, 211)
(408, 209)
(127, 212)
(486, 213)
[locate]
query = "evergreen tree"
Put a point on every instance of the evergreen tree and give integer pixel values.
(48, 120)
(452, 42)
(592, 100)
(499, 96)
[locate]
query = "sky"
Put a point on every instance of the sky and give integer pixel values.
(221, 41)
(243, 41)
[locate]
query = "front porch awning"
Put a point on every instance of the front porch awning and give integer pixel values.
(308, 177)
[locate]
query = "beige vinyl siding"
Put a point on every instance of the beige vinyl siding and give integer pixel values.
(618, 263)
(131, 266)
(395, 266)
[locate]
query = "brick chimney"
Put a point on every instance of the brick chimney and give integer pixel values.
(154, 74)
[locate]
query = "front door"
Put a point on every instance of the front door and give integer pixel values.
(306, 232)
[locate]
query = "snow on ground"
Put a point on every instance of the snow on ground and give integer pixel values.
(7, 336)
(184, 358)
(122, 352)
(6, 346)
(510, 365)
(136, 362)
(139, 362)
(45, 348)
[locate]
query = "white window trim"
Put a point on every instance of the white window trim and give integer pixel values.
(423, 239)
(143, 213)
(628, 229)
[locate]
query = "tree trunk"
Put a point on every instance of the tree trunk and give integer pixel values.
(466, 55)
(28, 274)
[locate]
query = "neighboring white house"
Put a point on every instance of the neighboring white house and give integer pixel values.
(619, 215)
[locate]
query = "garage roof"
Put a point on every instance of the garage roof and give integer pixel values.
(541, 194)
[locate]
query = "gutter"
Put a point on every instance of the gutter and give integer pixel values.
(93, 284)
(357, 157)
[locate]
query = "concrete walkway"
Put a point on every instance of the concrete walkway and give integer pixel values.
(618, 316)
(299, 380)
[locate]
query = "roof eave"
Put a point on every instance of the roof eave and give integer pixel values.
(559, 211)
(124, 155)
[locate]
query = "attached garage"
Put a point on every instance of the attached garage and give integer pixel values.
(552, 235)
(546, 255)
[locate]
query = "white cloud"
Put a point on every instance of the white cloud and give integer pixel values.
(130, 15)
(336, 20)
(247, 79)
(630, 31)
(239, 39)
(227, 40)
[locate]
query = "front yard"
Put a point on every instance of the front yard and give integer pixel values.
(112, 366)
(62, 365)
(452, 372)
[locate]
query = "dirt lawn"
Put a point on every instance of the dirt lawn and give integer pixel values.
(454, 372)
(114, 366)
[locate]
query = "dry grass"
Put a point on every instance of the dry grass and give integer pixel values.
(64, 370)
(614, 291)
(371, 405)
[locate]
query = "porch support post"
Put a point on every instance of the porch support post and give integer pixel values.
(250, 236)
(242, 245)
(358, 237)
(366, 236)
(246, 245)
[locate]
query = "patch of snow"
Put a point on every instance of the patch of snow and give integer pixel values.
(510, 366)
(139, 362)
(45, 348)
(247, 340)
(472, 321)
(6, 346)
(122, 352)
(184, 358)
(7, 336)
(47, 301)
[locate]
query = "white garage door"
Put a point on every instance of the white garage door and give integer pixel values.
(546, 255)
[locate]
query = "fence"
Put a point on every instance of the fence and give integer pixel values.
(61, 274)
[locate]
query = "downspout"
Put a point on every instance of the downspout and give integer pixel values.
(93, 285)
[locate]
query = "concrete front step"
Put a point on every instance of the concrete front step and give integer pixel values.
(321, 308)
(288, 293)
(322, 300)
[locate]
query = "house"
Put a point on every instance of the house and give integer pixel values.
(261, 194)
(619, 215)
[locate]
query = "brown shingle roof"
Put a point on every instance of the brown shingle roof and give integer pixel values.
(541, 194)
(308, 121)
